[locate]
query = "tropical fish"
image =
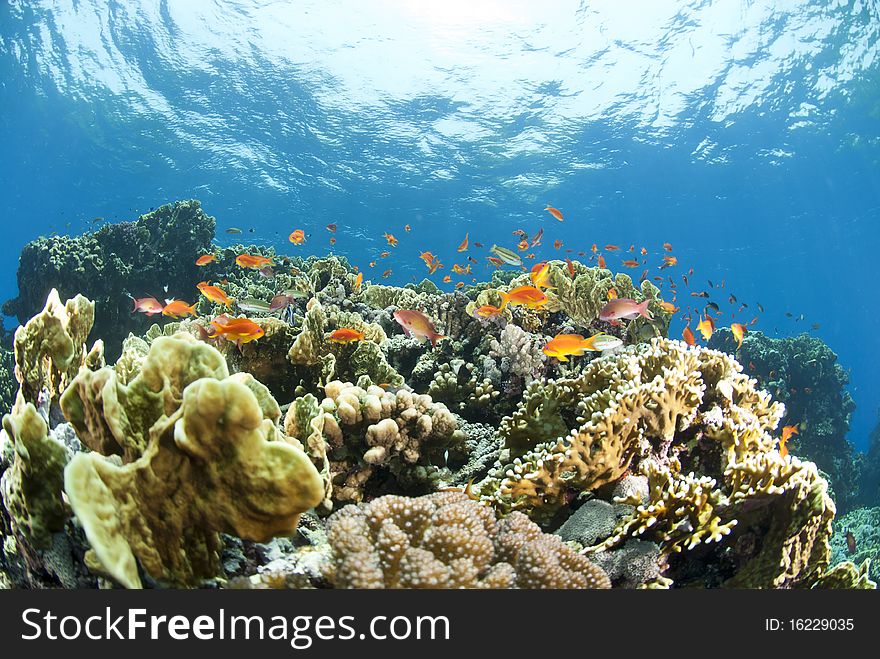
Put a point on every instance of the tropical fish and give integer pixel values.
(594, 249)
(760, 308)
(706, 327)
(787, 432)
(495, 261)
(179, 308)
(390, 238)
(562, 346)
(540, 275)
(332, 240)
(570, 265)
(253, 305)
(557, 244)
(527, 296)
(487, 311)
(850, 542)
(631, 263)
(427, 257)
(555, 212)
(252, 261)
(624, 307)
(459, 285)
(611, 294)
(297, 237)
(434, 267)
(667, 247)
(600, 260)
(345, 335)
(358, 281)
(668, 307)
(688, 336)
(147, 305)
(476, 244)
(459, 270)
(267, 272)
(643, 251)
(699, 294)
(386, 274)
(644, 275)
(669, 261)
(537, 238)
(237, 330)
(447, 279)
(283, 300)
(713, 306)
(331, 228)
(739, 331)
(521, 234)
(213, 293)
(507, 256)
(523, 245)
(407, 228)
(205, 259)
(464, 243)
(416, 324)
(233, 230)
(384, 255)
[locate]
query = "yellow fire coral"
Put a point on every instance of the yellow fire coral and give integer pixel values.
(208, 458)
(50, 347)
(446, 540)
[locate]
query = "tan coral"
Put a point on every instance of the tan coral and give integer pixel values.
(446, 540)
(50, 348)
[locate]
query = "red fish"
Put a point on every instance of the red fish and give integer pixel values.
(631, 263)
(626, 308)
(147, 305)
(601, 261)
(611, 248)
(416, 324)
(464, 244)
(205, 260)
(555, 212)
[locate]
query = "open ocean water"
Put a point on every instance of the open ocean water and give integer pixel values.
(745, 134)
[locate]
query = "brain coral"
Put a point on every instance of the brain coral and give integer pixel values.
(446, 540)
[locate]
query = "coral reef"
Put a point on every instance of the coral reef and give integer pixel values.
(446, 540)
(802, 372)
(863, 545)
(128, 258)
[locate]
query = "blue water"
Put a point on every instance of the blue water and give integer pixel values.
(747, 134)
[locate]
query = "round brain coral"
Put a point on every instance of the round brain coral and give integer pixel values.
(446, 540)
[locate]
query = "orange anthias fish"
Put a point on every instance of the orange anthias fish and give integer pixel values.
(787, 432)
(495, 261)
(625, 308)
(600, 260)
(487, 311)
(252, 261)
(611, 248)
(205, 259)
(739, 331)
(407, 228)
(667, 247)
(562, 346)
(459, 270)
(297, 237)
(418, 325)
(386, 274)
(540, 275)
(611, 294)
(332, 240)
(147, 305)
(594, 249)
(346, 335)
(459, 285)
(447, 279)
(669, 261)
(668, 307)
(179, 308)
(557, 244)
(434, 266)
(523, 245)
(464, 243)
(643, 251)
(390, 238)
(331, 228)
(570, 265)
(688, 336)
(213, 293)
(631, 263)
(555, 212)
(358, 281)
(706, 327)
(237, 330)
(526, 296)
(383, 255)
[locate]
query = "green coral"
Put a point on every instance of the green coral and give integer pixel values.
(31, 487)
(455, 384)
(208, 459)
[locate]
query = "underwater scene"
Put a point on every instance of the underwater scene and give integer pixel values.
(460, 294)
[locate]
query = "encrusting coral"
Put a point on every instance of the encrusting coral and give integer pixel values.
(446, 540)
(205, 456)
